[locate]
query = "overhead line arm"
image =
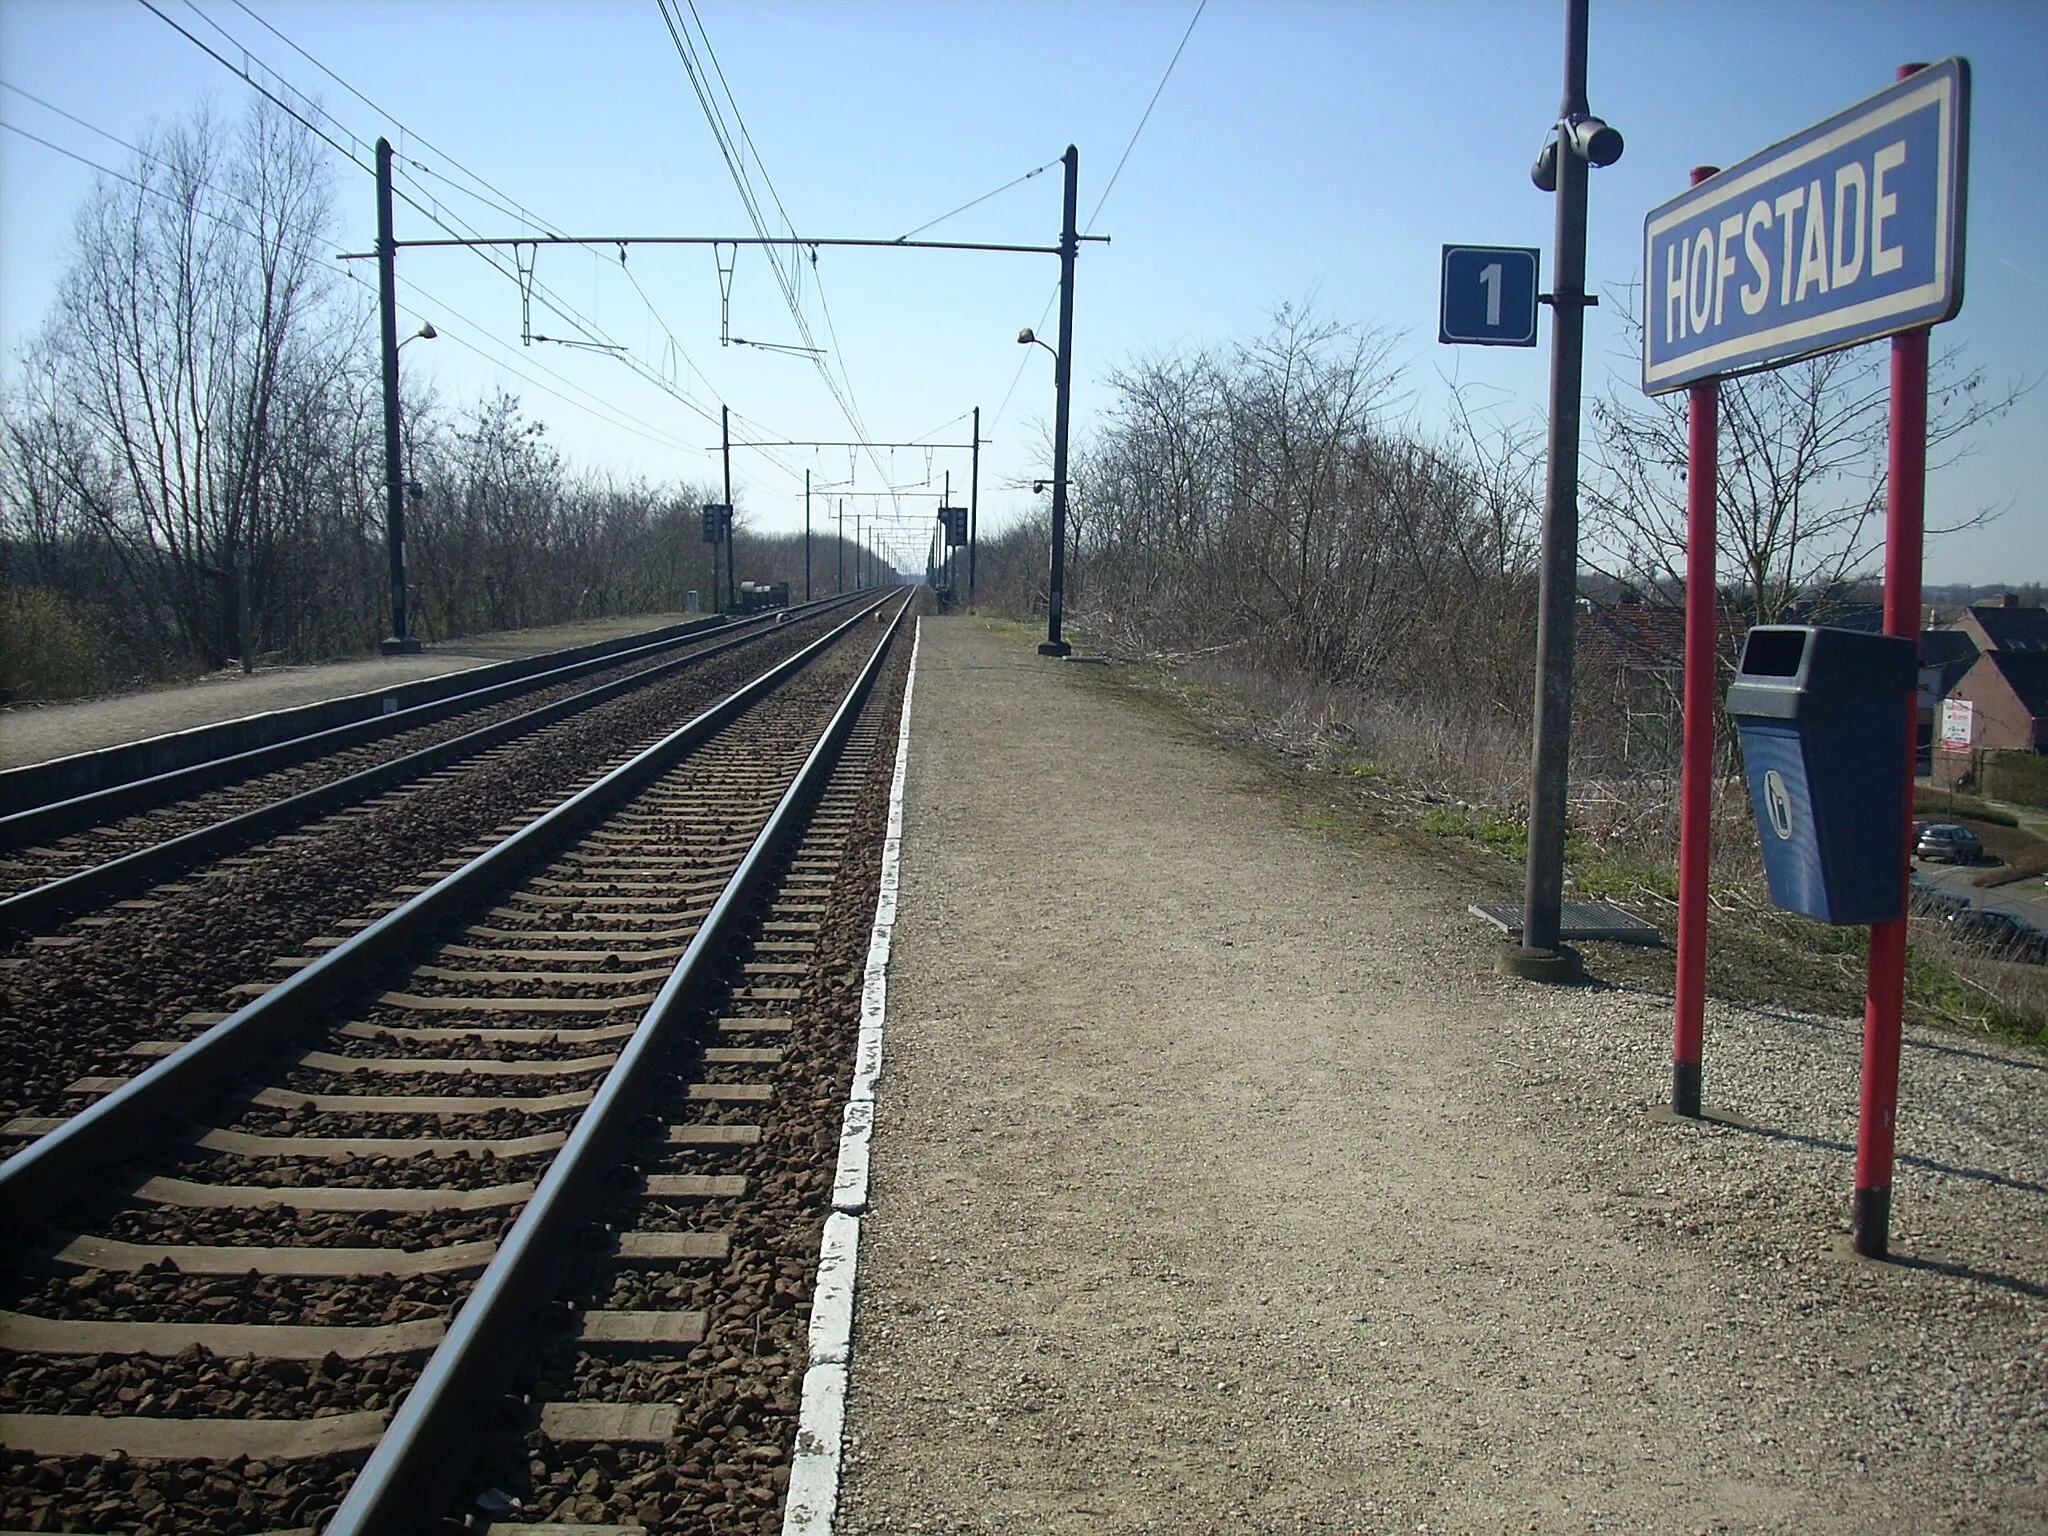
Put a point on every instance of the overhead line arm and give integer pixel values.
(790, 240)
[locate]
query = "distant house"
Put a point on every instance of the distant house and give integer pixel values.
(1989, 670)
(1945, 655)
(1631, 675)
(2007, 697)
(2004, 626)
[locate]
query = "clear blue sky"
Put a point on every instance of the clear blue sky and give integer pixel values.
(1307, 151)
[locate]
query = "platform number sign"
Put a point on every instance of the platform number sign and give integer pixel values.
(1489, 296)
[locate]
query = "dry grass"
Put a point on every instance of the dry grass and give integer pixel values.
(1430, 777)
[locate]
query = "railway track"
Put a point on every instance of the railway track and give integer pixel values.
(69, 855)
(532, 1165)
(141, 967)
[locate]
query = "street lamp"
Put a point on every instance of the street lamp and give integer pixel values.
(401, 642)
(1053, 645)
(1578, 142)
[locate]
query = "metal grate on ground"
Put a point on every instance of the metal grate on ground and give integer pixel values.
(1576, 920)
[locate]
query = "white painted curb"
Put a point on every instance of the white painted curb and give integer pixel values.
(813, 1502)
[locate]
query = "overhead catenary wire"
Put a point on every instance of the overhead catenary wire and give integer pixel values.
(305, 230)
(977, 202)
(459, 181)
(305, 112)
(154, 191)
(735, 143)
(242, 74)
(442, 310)
(611, 415)
(505, 203)
(1202, 6)
(589, 331)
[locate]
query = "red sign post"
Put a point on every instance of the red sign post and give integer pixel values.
(1872, 203)
(1884, 1003)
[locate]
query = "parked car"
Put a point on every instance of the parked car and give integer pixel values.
(1947, 843)
(1929, 900)
(2006, 935)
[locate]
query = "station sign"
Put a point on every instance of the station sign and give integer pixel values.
(1488, 298)
(1848, 231)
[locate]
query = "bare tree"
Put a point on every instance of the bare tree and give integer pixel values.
(1802, 476)
(191, 338)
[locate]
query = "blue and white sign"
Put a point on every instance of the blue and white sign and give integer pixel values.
(1849, 231)
(1489, 296)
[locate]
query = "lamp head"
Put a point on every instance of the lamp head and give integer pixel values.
(426, 331)
(1593, 141)
(1026, 337)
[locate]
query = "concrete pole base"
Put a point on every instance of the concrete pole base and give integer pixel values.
(1054, 648)
(1558, 967)
(395, 646)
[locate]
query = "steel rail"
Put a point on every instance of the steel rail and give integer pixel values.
(53, 818)
(40, 1176)
(424, 1454)
(27, 911)
(110, 767)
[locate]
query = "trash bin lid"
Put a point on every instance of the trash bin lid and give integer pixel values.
(1798, 671)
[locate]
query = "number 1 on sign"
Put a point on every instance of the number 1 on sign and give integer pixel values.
(1489, 279)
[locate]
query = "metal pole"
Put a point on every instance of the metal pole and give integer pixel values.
(401, 641)
(725, 449)
(1062, 374)
(807, 535)
(973, 507)
(242, 625)
(1696, 775)
(841, 541)
(1543, 891)
(1885, 990)
(1884, 1006)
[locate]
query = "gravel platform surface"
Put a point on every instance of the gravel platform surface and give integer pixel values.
(36, 733)
(1221, 1186)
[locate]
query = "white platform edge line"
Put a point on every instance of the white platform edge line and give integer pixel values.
(812, 1505)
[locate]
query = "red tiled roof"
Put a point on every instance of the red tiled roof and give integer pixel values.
(1647, 637)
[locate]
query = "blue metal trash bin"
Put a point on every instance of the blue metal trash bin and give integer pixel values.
(1821, 714)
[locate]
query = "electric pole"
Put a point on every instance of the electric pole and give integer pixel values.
(807, 535)
(401, 641)
(1539, 957)
(1063, 374)
(973, 506)
(725, 449)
